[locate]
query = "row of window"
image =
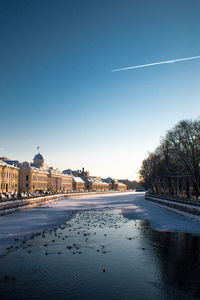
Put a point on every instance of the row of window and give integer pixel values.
(40, 178)
(9, 174)
(8, 187)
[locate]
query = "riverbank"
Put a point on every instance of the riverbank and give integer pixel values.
(188, 207)
(21, 204)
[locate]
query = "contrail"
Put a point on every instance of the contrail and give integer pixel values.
(156, 63)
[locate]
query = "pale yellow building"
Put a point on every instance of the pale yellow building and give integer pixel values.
(9, 178)
(32, 179)
(119, 186)
(37, 176)
(96, 185)
(59, 182)
(78, 184)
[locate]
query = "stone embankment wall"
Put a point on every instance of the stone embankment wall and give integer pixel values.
(192, 207)
(11, 206)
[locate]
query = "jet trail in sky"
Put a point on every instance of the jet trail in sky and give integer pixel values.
(157, 63)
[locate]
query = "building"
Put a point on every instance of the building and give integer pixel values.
(59, 182)
(33, 179)
(132, 185)
(15, 163)
(98, 178)
(118, 186)
(96, 185)
(115, 184)
(9, 178)
(121, 186)
(37, 176)
(78, 184)
(83, 181)
(77, 173)
(38, 162)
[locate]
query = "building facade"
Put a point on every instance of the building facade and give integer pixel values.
(78, 184)
(41, 179)
(9, 178)
(32, 179)
(38, 177)
(118, 186)
(96, 185)
(59, 182)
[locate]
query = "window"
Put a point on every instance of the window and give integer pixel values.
(26, 177)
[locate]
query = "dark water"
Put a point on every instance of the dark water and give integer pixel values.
(102, 255)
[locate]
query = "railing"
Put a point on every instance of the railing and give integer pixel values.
(174, 198)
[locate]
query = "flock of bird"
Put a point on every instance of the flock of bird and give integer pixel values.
(85, 230)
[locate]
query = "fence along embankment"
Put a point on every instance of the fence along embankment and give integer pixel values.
(187, 205)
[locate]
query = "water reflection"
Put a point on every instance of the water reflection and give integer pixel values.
(102, 255)
(178, 256)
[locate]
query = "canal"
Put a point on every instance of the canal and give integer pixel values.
(102, 254)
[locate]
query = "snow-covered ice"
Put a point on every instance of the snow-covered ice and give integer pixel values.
(132, 205)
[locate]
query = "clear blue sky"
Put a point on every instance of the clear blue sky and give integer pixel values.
(57, 90)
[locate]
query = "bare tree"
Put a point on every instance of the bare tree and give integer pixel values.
(176, 162)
